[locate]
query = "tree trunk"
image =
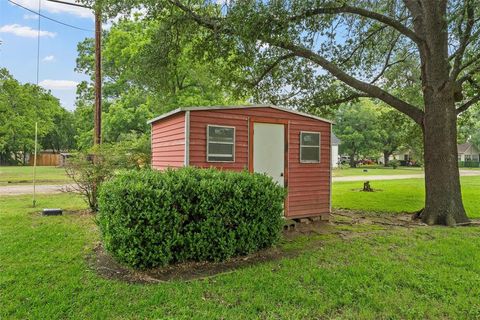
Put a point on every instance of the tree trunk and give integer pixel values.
(443, 202)
(353, 163)
(386, 158)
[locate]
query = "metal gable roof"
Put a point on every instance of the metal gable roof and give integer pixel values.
(334, 140)
(462, 148)
(165, 115)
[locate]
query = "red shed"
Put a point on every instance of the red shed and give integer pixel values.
(292, 147)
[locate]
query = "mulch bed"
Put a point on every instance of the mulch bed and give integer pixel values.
(106, 266)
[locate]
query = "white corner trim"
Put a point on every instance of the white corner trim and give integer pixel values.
(186, 159)
(331, 169)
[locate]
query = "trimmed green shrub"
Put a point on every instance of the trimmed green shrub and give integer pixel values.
(151, 218)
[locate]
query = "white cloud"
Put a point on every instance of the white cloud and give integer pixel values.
(49, 58)
(54, 7)
(30, 17)
(58, 84)
(24, 31)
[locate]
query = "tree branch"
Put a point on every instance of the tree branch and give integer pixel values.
(468, 75)
(468, 104)
(364, 13)
(387, 63)
(467, 64)
(464, 40)
(370, 89)
(361, 43)
(351, 97)
(271, 67)
(300, 51)
(386, 66)
(285, 98)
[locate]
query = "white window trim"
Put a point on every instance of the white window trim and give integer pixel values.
(319, 147)
(220, 142)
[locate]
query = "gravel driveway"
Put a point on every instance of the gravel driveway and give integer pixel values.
(14, 190)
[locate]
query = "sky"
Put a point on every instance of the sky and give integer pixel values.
(58, 45)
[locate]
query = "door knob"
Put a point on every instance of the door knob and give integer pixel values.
(281, 174)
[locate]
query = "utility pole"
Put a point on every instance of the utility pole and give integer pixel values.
(98, 79)
(97, 118)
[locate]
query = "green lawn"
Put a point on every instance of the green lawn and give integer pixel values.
(392, 274)
(24, 174)
(375, 170)
(399, 195)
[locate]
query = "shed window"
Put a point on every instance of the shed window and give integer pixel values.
(220, 144)
(309, 147)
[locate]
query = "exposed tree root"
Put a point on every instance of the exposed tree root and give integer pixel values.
(417, 215)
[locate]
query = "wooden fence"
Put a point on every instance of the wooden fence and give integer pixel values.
(46, 159)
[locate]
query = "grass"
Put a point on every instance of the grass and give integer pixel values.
(375, 170)
(24, 174)
(399, 195)
(401, 273)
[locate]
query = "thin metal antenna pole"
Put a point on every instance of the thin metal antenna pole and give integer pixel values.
(38, 105)
(35, 165)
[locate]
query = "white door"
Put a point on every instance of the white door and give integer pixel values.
(269, 150)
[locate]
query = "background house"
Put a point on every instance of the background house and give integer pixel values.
(404, 156)
(467, 152)
(335, 157)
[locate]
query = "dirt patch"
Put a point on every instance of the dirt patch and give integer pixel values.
(355, 217)
(107, 267)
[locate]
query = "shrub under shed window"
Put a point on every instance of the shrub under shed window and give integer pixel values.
(309, 147)
(220, 143)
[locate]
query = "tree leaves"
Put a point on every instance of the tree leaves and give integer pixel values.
(21, 106)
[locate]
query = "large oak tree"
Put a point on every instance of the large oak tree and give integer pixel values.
(421, 57)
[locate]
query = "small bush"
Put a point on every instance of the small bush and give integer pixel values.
(150, 218)
(394, 163)
(89, 169)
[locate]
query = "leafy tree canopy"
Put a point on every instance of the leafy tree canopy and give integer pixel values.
(21, 105)
(149, 67)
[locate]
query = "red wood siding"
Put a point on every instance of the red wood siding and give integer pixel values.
(308, 183)
(198, 138)
(168, 142)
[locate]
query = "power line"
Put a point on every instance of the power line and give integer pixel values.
(71, 4)
(48, 18)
